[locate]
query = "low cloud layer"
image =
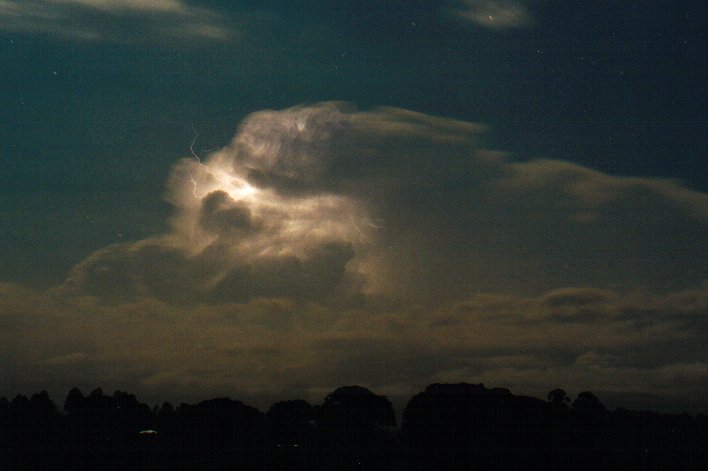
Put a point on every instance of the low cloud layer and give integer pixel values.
(114, 20)
(577, 338)
(326, 246)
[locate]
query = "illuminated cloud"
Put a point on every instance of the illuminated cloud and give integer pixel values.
(327, 245)
(494, 14)
(395, 203)
(173, 6)
(114, 20)
(234, 237)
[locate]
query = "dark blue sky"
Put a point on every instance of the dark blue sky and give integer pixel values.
(576, 202)
(89, 129)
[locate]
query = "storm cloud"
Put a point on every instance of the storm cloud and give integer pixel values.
(327, 245)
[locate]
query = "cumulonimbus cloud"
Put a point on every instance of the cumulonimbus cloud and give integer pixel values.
(396, 203)
(327, 245)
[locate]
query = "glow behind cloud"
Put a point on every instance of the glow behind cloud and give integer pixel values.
(279, 224)
(273, 280)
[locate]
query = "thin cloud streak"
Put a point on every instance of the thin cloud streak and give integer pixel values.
(494, 14)
(114, 21)
(172, 6)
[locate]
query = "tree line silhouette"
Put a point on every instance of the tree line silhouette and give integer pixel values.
(445, 427)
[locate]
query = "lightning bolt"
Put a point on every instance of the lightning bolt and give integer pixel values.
(356, 226)
(194, 154)
(371, 224)
(191, 146)
(192, 178)
(194, 182)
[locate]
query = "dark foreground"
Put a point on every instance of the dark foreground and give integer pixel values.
(446, 427)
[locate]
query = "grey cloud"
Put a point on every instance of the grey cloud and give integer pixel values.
(280, 347)
(575, 297)
(456, 217)
(126, 273)
(316, 277)
(117, 20)
(68, 359)
(494, 14)
(223, 215)
(416, 207)
(327, 145)
(388, 248)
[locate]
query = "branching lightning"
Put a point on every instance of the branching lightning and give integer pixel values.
(194, 154)
(191, 146)
(243, 187)
(194, 182)
(356, 226)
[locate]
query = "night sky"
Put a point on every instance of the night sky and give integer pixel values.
(271, 199)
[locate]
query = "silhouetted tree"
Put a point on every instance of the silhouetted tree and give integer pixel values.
(291, 423)
(587, 401)
(73, 401)
(558, 396)
(467, 426)
(445, 427)
(588, 426)
(227, 432)
(20, 402)
(357, 427)
(292, 436)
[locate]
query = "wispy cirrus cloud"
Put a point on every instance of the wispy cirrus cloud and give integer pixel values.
(117, 21)
(173, 6)
(494, 14)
